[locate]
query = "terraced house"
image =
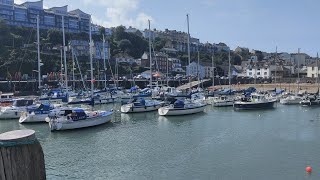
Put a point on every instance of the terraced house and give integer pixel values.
(25, 15)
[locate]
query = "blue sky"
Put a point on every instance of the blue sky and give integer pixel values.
(256, 24)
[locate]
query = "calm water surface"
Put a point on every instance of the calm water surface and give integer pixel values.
(217, 144)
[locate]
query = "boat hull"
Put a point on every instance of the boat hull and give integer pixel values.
(253, 106)
(290, 102)
(222, 103)
(310, 103)
(10, 114)
(32, 118)
(169, 111)
(130, 109)
(69, 125)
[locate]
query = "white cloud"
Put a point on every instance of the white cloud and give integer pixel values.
(120, 12)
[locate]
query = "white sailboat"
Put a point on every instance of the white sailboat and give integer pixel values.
(80, 118)
(223, 100)
(141, 104)
(296, 98)
(183, 107)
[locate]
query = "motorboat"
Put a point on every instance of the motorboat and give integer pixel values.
(14, 111)
(291, 99)
(311, 100)
(37, 114)
(255, 101)
(181, 107)
(141, 105)
(67, 119)
(221, 101)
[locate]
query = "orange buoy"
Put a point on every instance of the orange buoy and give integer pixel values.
(308, 169)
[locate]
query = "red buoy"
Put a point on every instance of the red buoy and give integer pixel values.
(308, 169)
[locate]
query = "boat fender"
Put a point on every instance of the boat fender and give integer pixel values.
(100, 100)
(131, 108)
(145, 107)
(16, 113)
(154, 105)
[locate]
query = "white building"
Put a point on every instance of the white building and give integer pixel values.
(176, 65)
(258, 72)
(208, 71)
(193, 70)
(313, 71)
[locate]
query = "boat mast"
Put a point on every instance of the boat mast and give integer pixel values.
(198, 69)
(275, 62)
(73, 78)
(38, 49)
(64, 54)
(167, 72)
(298, 69)
(229, 70)
(189, 59)
(317, 79)
(104, 63)
(91, 63)
(213, 69)
(150, 56)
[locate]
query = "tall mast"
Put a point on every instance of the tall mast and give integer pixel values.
(275, 62)
(150, 56)
(91, 63)
(167, 71)
(213, 69)
(317, 68)
(189, 58)
(61, 62)
(298, 69)
(198, 68)
(73, 78)
(64, 54)
(229, 72)
(104, 63)
(38, 49)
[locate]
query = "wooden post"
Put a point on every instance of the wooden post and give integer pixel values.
(21, 156)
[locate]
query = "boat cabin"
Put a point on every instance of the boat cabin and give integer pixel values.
(23, 102)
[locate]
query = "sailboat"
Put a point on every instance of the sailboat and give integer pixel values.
(292, 99)
(313, 99)
(139, 104)
(224, 100)
(181, 107)
(80, 118)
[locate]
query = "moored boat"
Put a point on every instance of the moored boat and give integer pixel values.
(221, 101)
(311, 100)
(36, 115)
(14, 111)
(181, 108)
(291, 99)
(78, 118)
(255, 101)
(141, 105)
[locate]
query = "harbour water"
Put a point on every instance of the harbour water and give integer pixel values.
(218, 144)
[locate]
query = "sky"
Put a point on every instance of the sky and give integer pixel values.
(256, 24)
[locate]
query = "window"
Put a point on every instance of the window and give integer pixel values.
(49, 20)
(258, 73)
(265, 73)
(250, 73)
